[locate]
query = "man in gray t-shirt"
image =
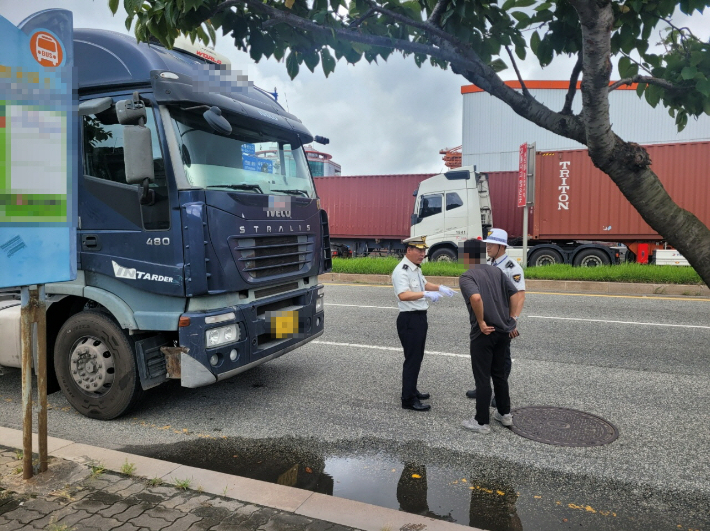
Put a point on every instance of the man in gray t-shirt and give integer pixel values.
(492, 300)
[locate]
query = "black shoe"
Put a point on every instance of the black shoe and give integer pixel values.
(423, 396)
(471, 393)
(416, 405)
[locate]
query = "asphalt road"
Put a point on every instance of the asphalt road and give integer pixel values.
(641, 363)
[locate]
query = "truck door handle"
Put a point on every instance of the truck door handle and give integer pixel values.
(90, 242)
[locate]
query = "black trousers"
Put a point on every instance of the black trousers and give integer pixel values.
(412, 328)
(488, 360)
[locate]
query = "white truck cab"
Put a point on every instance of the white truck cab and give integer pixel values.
(450, 208)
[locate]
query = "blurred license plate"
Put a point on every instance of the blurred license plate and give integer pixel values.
(284, 324)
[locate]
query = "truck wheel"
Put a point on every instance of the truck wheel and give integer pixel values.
(544, 257)
(591, 258)
(443, 255)
(95, 366)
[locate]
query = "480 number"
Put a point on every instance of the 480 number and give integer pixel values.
(158, 241)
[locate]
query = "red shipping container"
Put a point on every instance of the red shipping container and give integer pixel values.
(575, 200)
(369, 206)
(507, 215)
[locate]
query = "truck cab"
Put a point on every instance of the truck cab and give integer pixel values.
(200, 236)
(449, 209)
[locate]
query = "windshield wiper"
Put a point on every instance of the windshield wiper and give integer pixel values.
(303, 192)
(238, 187)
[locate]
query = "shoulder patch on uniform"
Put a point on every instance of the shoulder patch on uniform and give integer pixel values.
(405, 266)
(516, 278)
(510, 264)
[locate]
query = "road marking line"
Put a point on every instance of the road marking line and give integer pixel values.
(652, 297)
(361, 306)
(356, 345)
(550, 317)
(615, 322)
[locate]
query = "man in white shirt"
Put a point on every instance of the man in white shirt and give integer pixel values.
(413, 296)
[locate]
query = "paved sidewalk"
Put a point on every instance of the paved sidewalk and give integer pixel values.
(86, 489)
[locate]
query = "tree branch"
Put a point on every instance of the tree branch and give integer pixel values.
(436, 13)
(356, 23)
(517, 73)
(462, 59)
(648, 80)
(572, 90)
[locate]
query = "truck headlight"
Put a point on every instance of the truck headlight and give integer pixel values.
(222, 335)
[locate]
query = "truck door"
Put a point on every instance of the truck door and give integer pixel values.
(430, 215)
(455, 215)
(120, 236)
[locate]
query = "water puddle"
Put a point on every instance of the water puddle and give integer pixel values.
(482, 493)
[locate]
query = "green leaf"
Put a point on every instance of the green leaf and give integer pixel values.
(681, 120)
(706, 107)
(129, 23)
(327, 61)
(192, 4)
(534, 42)
(498, 65)
(640, 89)
(113, 6)
(292, 65)
(520, 16)
(653, 95)
(211, 32)
(508, 5)
(544, 6)
(524, 3)
(311, 59)
(703, 86)
(688, 72)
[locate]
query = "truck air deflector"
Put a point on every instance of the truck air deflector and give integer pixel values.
(190, 90)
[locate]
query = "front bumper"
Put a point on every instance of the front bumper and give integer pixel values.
(256, 344)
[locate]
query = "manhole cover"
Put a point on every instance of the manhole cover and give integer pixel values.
(562, 427)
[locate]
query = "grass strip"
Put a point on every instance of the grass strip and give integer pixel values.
(639, 273)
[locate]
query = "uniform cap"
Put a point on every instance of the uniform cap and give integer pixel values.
(417, 241)
(497, 237)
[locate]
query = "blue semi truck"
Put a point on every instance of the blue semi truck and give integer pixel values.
(200, 234)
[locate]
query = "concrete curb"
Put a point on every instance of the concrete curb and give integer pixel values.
(297, 501)
(546, 286)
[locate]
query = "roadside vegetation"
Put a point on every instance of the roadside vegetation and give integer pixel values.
(619, 273)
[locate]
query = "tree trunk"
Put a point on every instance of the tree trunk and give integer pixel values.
(626, 163)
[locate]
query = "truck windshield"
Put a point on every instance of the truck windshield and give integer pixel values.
(245, 161)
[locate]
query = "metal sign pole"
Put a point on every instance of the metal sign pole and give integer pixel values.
(33, 311)
(41, 320)
(26, 324)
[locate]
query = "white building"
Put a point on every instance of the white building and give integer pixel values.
(492, 132)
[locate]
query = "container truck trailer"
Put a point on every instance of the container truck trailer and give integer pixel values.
(579, 216)
(204, 270)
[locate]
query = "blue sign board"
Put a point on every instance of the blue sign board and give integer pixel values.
(37, 150)
(252, 163)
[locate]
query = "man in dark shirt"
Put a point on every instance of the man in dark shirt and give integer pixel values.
(492, 300)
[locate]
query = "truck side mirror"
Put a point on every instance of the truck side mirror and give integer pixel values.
(137, 146)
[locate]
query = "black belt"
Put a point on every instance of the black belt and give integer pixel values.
(413, 311)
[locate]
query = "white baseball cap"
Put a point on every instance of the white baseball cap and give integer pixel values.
(497, 237)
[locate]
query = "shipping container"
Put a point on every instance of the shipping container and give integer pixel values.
(369, 206)
(591, 207)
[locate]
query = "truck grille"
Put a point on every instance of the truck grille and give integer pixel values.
(272, 256)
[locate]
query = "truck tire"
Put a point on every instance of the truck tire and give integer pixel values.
(443, 254)
(96, 367)
(591, 258)
(544, 257)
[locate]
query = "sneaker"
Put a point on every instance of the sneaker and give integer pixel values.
(505, 420)
(473, 425)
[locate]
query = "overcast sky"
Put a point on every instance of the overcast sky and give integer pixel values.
(381, 119)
